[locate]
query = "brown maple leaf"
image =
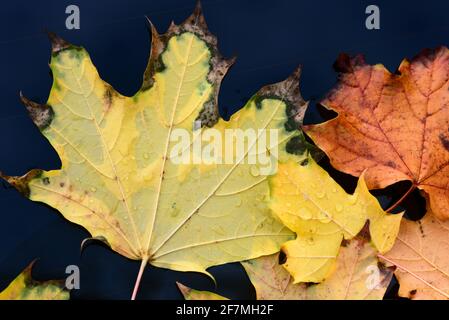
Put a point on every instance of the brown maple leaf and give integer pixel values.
(394, 125)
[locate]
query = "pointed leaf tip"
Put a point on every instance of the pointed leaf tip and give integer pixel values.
(198, 11)
(57, 43)
(196, 21)
(102, 240)
(41, 114)
(184, 289)
(230, 62)
(297, 73)
(347, 64)
(153, 29)
(288, 90)
(21, 183)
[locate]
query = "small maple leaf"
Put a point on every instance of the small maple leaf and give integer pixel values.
(358, 277)
(310, 203)
(421, 258)
(23, 287)
(393, 125)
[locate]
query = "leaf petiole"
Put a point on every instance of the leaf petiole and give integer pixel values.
(394, 205)
(139, 277)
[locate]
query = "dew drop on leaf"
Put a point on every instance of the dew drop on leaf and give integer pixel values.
(306, 214)
(320, 194)
(254, 170)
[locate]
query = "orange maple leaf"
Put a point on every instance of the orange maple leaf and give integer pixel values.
(394, 125)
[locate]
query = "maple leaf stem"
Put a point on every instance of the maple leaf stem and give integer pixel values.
(139, 278)
(394, 205)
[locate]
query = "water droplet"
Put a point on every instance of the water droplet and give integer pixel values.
(288, 204)
(254, 170)
(339, 207)
(146, 156)
(334, 190)
(93, 189)
(306, 214)
(326, 219)
(320, 194)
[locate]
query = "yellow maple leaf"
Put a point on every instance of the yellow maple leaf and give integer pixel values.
(23, 287)
(310, 203)
(118, 178)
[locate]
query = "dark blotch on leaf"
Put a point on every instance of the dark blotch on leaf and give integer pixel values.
(444, 141)
(258, 102)
(290, 124)
(296, 145)
(304, 162)
(282, 257)
(391, 164)
(46, 181)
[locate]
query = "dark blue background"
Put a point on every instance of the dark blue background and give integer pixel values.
(270, 38)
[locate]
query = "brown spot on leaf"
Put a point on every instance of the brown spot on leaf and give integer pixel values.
(108, 98)
(391, 164)
(444, 141)
(421, 229)
(282, 257)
